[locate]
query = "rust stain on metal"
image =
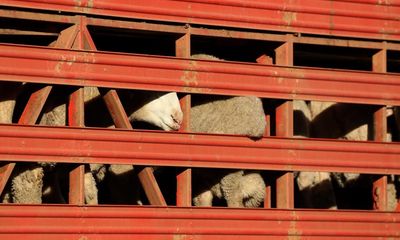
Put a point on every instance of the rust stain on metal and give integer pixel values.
(90, 4)
(190, 78)
(64, 61)
(181, 237)
(383, 2)
(59, 65)
(190, 75)
(293, 232)
(78, 3)
(289, 17)
(84, 5)
(89, 57)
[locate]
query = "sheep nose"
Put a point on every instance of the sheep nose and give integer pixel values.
(177, 116)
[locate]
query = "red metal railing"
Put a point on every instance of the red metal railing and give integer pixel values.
(80, 68)
(33, 143)
(66, 222)
(361, 19)
(89, 68)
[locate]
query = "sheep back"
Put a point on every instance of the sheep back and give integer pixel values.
(228, 115)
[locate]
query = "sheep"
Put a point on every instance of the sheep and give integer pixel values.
(227, 115)
(160, 109)
(345, 121)
(315, 188)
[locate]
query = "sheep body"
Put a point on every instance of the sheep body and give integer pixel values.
(29, 180)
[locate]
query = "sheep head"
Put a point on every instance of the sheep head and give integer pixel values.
(163, 111)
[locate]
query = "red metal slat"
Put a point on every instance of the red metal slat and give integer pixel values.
(379, 188)
(31, 64)
(34, 106)
(76, 112)
(76, 118)
(184, 188)
(341, 18)
(68, 222)
(284, 53)
(184, 177)
(284, 119)
(182, 46)
(284, 128)
(5, 173)
(76, 194)
(76, 176)
(285, 182)
(115, 108)
(268, 196)
(150, 186)
(33, 143)
(264, 59)
(285, 191)
(67, 37)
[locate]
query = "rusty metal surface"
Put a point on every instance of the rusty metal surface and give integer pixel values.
(361, 19)
(56, 66)
(79, 145)
(69, 222)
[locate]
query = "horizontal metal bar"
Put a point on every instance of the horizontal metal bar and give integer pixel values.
(56, 66)
(35, 16)
(201, 31)
(125, 222)
(156, 27)
(28, 33)
(340, 18)
(80, 145)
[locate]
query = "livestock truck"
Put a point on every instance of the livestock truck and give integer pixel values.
(281, 51)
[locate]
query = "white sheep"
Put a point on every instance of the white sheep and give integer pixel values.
(161, 109)
(227, 115)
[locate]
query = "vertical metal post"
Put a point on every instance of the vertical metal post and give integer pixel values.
(77, 175)
(379, 188)
(284, 53)
(265, 59)
(76, 118)
(284, 128)
(76, 193)
(184, 177)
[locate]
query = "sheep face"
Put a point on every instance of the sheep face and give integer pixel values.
(164, 112)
